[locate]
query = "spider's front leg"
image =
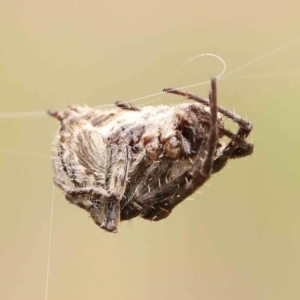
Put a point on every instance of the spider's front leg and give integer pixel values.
(169, 195)
(108, 215)
(238, 147)
(120, 156)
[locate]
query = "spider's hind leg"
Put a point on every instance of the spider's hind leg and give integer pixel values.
(127, 106)
(155, 213)
(238, 147)
(55, 114)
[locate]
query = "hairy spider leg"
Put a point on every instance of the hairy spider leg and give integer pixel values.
(238, 146)
(168, 196)
(246, 125)
(127, 106)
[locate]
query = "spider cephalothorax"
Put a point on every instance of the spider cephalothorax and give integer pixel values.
(133, 161)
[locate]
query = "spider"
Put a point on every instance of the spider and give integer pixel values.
(131, 161)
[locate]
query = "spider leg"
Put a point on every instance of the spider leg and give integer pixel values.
(72, 110)
(120, 153)
(245, 128)
(127, 106)
(106, 215)
(155, 212)
(245, 125)
(238, 147)
(172, 193)
(158, 212)
(120, 156)
(130, 211)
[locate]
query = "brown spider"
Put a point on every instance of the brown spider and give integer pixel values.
(132, 161)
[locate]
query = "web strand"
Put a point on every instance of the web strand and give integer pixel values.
(22, 114)
(49, 244)
(256, 60)
(20, 152)
(221, 76)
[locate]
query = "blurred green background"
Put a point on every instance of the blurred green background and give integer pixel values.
(239, 239)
